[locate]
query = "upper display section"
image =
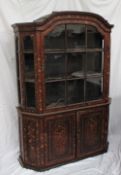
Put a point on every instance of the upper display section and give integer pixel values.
(63, 61)
(73, 65)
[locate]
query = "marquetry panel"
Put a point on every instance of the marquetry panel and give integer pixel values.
(91, 130)
(60, 138)
(33, 141)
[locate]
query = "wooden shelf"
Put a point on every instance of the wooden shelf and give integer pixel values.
(28, 80)
(73, 50)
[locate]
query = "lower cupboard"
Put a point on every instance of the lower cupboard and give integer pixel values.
(54, 139)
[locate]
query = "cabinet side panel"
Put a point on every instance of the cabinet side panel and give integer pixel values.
(106, 64)
(105, 125)
(32, 141)
(21, 136)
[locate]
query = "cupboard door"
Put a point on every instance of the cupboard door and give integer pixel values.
(92, 131)
(60, 138)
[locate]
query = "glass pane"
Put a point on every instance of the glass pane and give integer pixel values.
(94, 88)
(29, 65)
(55, 66)
(55, 94)
(94, 63)
(75, 65)
(94, 38)
(75, 91)
(30, 94)
(76, 36)
(28, 43)
(56, 38)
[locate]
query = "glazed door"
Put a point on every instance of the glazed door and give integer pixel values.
(73, 55)
(92, 131)
(60, 138)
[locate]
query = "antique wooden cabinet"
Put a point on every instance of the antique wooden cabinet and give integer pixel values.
(63, 68)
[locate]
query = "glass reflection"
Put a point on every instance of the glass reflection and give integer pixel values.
(94, 89)
(75, 91)
(75, 36)
(56, 38)
(55, 66)
(94, 63)
(55, 94)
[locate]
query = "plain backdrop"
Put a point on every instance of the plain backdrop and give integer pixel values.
(13, 11)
